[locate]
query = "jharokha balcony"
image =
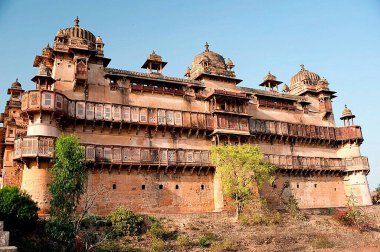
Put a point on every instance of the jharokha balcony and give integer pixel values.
(99, 155)
(38, 101)
(117, 156)
(49, 101)
(298, 165)
(267, 129)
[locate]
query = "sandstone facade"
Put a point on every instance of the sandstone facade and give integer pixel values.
(147, 135)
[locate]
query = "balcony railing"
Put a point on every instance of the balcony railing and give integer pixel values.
(288, 162)
(341, 134)
(32, 147)
(93, 111)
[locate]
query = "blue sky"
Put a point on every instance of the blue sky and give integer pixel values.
(339, 40)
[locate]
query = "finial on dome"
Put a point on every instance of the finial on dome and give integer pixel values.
(302, 67)
(153, 52)
(207, 46)
(16, 79)
(76, 21)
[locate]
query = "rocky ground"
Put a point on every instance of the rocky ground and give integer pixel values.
(317, 233)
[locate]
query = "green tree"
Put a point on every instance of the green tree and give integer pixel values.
(69, 175)
(17, 208)
(242, 169)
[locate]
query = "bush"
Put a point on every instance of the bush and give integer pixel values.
(17, 208)
(156, 231)
(126, 222)
(206, 239)
(353, 217)
(260, 217)
(157, 245)
(183, 241)
(226, 245)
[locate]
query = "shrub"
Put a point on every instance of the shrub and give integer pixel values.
(291, 206)
(17, 208)
(157, 245)
(157, 231)
(226, 245)
(183, 240)
(126, 222)
(206, 239)
(260, 217)
(353, 216)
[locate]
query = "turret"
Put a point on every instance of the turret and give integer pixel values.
(270, 81)
(347, 117)
(154, 63)
(43, 78)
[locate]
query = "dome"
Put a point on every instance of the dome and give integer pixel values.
(99, 40)
(347, 113)
(214, 59)
(304, 76)
(230, 63)
(16, 85)
(210, 62)
(77, 32)
(43, 71)
(270, 77)
(285, 88)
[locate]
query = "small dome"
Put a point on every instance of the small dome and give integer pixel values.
(16, 84)
(154, 57)
(77, 32)
(99, 40)
(43, 71)
(229, 62)
(304, 76)
(347, 113)
(285, 88)
(270, 77)
(47, 50)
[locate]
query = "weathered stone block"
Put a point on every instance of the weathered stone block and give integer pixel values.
(4, 238)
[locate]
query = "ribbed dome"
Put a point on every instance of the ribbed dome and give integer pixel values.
(77, 32)
(304, 76)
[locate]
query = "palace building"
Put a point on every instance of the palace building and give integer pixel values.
(147, 136)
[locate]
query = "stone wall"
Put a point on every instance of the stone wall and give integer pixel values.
(310, 192)
(152, 192)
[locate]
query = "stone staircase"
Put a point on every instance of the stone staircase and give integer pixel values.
(4, 240)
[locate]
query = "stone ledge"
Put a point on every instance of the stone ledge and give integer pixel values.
(8, 249)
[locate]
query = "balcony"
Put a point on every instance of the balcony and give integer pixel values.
(349, 133)
(304, 132)
(303, 165)
(33, 147)
(232, 123)
(160, 90)
(144, 156)
(49, 101)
